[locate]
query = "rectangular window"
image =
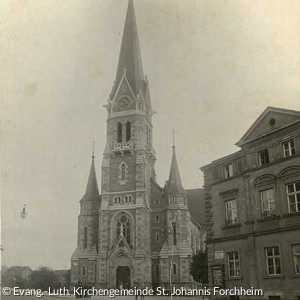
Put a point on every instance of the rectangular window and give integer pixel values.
(233, 264)
(273, 260)
(263, 157)
(293, 195)
(228, 171)
(289, 148)
(157, 219)
(267, 202)
(296, 256)
(231, 212)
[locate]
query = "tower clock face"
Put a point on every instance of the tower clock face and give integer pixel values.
(124, 102)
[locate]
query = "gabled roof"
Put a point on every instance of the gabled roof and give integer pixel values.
(130, 60)
(174, 184)
(92, 191)
(196, 204)
(272, 119)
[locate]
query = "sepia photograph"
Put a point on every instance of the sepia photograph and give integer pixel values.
(150, 149)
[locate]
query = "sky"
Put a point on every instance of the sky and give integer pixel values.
(213, 67)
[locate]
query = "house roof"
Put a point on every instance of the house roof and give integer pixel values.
(271, 120)
(196, 204)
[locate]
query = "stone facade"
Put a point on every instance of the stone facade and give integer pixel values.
(136, 234)
(252, 201)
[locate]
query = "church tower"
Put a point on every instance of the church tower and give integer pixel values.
(175, 255)
(84, 259)
(127, 171)
(136, 234)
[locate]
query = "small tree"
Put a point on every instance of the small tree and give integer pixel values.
(199, 267)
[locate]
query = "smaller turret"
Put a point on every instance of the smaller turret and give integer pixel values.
(92, 190)
(83, 267)
(173, 187)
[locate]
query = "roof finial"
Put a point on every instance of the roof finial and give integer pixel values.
(94, 142)
(173, 138)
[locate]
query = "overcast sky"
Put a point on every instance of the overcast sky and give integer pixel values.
(213, 66)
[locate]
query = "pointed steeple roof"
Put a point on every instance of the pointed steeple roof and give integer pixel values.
(174, 184)
(92, 190)
(130, 60)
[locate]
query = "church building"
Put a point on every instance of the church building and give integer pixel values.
(135, 233)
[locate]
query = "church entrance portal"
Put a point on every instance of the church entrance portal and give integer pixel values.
(123, 277)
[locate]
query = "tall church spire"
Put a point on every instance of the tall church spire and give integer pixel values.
(92, 190)
(130, 60)
(174, 184)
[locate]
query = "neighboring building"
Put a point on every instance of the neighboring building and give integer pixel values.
(136, 234)
(252, 200)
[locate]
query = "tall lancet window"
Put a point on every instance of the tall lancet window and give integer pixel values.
(174, 233)
(128, 131)
(119, 132)
(147, 135)
(123, 172)
(85, 238)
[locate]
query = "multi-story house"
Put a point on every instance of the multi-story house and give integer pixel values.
(252, 200)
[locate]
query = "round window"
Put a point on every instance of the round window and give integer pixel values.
(272, 122)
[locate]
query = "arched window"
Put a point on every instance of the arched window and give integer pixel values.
(146, 109)
(124, 226)
(174, 233)
(157, 236)
(128, 131)
(83, 270)
(147, 136)
(128, 199)
(117, 200)
(119, 132)
(123, 172)
(174, 269)
(85, 238)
